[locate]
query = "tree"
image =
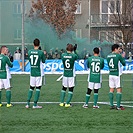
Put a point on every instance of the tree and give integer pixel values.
(59, 14)
(122, 20)
(115, 22)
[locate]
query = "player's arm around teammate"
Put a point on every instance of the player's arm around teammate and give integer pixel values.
(68, 81)
(4, 79)
(95, 64)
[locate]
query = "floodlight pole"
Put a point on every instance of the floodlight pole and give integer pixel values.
(89, 20)
(23, 35)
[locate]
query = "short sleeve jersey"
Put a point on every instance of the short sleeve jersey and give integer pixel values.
(36, 57)
(95, 63)
(68, 60)
(4, 61)
(114, 60)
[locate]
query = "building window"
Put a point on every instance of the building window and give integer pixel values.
(108, 8)
(110, 36)
(78, 10)
(17, 34)
(78, 33)
(17, 8)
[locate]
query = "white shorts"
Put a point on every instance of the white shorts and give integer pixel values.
(5, 83)
(35, 81)
(93, 85)
(68, 81)
(115, 81)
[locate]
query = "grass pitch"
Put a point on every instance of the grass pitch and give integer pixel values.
(55, 119)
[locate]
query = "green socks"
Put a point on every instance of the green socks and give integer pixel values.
(30, 93)
(87, 98)
(111, 97)
(36, 98)
(8, 96)
(0, 96)
(62, 96)
(118, 98)
(70, 94)
(95, 98)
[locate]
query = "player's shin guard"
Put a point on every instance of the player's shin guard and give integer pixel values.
(95, 99)
(70, 94)
(8, 96)
(88, 93)
(118, 98)
(111, 97)
(62, 96)
(0, 96)
(87, 98)
(36, 98)
(30, 93)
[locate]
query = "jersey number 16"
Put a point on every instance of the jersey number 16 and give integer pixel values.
(95, 66)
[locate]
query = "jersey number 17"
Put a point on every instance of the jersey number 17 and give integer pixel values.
(34, 59)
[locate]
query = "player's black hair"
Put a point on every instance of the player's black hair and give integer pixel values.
(36, 42)
(114, 46)
(96, 50)
(121, 48)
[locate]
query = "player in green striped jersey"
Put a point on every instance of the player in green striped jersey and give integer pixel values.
(95, 63)
(114, 59)
(68, 81)
(36, 58)
(4, 79)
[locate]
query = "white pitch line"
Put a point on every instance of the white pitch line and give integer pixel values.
(105, 103)
(127, 106)
(72, 102)
(105, 80)
(60, 78)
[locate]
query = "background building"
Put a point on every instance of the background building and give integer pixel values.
(94, 24)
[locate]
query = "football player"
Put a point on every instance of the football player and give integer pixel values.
(114, 59)
(68, 81)
(36, 58)
(4, 75)
(95, 64)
